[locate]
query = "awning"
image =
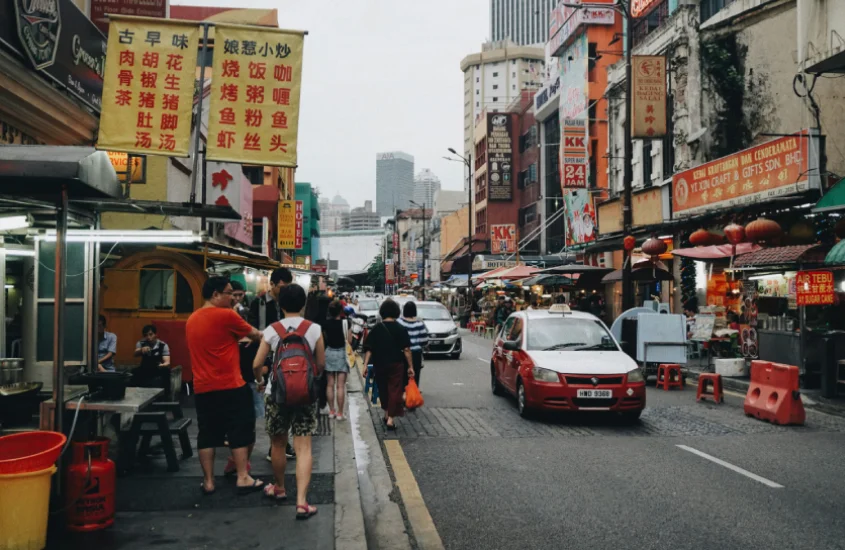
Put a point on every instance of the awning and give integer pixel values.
(715, 252)
(492, 274)
(446, 267)
(517, 272)
(779, 255)
(833, 200)
(550, 280)
(576, 268)
(132, 206)
(645, 274)
(88, 173)
(836, 256)
(456, 280)
(265, 201)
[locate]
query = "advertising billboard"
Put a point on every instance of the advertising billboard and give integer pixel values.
(580, 217)
(574, 112)
(499, 157)
(503, 238)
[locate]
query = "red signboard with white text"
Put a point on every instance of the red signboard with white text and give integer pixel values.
(299, 225)
(503, 238)
(814, 288)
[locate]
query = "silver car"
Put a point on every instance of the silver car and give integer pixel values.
(368, 308)
(443, 336)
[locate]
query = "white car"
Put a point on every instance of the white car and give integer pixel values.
(559, 360)
(443, 338)
(368, 308)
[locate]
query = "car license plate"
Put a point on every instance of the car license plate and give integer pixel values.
(595, 394)
(435, 342)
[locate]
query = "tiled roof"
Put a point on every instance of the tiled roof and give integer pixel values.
(778, 255)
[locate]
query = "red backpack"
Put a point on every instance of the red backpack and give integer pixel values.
(295, 371)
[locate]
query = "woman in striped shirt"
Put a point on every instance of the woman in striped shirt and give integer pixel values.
(418, 335)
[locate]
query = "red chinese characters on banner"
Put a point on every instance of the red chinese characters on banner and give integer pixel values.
(299, 226)
(814, 288)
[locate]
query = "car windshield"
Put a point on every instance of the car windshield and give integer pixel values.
(566, 333)
(367, 305)
(433, 313)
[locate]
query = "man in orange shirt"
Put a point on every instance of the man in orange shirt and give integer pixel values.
(223, 400)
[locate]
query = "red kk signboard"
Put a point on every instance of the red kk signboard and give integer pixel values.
(503, 239)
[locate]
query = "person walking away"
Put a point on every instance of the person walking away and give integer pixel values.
(265, 311)
(336, 335)
(106, 348)
(153, 372)
(223, 400)
(317, 311)
(418, 333)
(283, 418)
(389, 348)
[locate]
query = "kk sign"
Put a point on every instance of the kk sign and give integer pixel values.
(503, 239)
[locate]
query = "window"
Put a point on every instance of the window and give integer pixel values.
(495, 86)
(255, 174)
(532, 173)
(592, 55)
(513, 74)
(648, 24)
(709, 8)
(495, 100)
(648, 166)
(513, 61)
(591, 112)
(164, 289)
(477, 104)
(477, 92)
(477, 79)
(513, 86)
(495, 75)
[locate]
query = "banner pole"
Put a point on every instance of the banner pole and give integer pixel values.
(196, 158)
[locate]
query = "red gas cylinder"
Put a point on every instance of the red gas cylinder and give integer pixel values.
(90, 494)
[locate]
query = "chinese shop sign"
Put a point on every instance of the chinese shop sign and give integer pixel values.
(254, 111)
(287, 225)
(148, 87)
(814, 288)
(499, 157)
(503, 238)
(223, 184)
(649, 96)
(779, 167)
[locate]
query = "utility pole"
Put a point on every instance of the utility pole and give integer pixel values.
(422, 282)
(628, 177)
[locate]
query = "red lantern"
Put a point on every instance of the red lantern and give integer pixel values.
(700, 237)
(629, 243)
(735, 233)
(762, 229)
(654, 247)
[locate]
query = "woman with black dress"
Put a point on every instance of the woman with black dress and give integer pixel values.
(389, 348)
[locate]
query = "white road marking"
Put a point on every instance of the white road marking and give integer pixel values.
(482, 360)
(729, 466)
(457, 383)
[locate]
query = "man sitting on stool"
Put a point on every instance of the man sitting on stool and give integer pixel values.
(154, 371)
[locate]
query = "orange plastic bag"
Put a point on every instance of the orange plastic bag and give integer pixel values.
(413, 397)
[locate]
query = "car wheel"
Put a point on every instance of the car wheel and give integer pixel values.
(521, 404)
(497, 388)
(631, 417)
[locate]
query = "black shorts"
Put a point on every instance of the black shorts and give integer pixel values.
(225, 414)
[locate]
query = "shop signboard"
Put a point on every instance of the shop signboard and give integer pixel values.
(287, 225)
(573, 112)
(641, 8)
(148, 90)
(223, 184)
(499, 157)
(59, 42)
(254, 112)
(299, 225)
(648, 103)
(814, 288)
(779, 167)
(319, 268)
(137, 8)
(486, 263)
(241, 231)
(580, 217)
(565, 20)
(120, 163)
(503, 238)
(388, 271)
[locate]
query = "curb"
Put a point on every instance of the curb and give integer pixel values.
(349, 531)
(384, 523)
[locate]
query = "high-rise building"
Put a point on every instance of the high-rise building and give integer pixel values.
(426, 184)
(394, 182)
(332, 213)
(495, 77)
(526, 22)
(362, 218)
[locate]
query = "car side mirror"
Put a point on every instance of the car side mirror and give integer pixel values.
(511, 345)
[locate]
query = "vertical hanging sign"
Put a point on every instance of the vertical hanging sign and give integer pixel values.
(298, 226)
(287, 225)
(254, 113)
(148, 87)
(648, 98)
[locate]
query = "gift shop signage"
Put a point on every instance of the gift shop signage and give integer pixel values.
(779, 167)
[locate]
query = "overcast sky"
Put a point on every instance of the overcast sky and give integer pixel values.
(378, 75)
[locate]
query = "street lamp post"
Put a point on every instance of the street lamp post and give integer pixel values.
(468, 163)
(423, 247)
(628, 177)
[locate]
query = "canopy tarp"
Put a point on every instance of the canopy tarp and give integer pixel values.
(642, 272)
(715, 252)
(836, 256)
(517, 272)
(833, 200)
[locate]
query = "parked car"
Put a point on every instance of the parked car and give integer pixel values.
(559, 360)
(443, 338)
(367, 308)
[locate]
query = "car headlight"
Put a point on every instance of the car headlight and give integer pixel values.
(544, 375)
(453, 332)
(635, 376)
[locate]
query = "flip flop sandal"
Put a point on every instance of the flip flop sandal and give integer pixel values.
(207, 492)
(257, 485)
(271, 490)
(305, 512)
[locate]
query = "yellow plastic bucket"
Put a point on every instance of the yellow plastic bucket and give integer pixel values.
(24, 508)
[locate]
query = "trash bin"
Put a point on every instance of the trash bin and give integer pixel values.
(26, 469)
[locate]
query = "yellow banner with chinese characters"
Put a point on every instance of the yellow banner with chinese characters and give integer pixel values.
(148, 87)
(254, 113)
(287, 225)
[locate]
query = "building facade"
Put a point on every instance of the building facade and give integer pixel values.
(310, 224)
(394, 182)
(333, 213)
(525, 22)
(362, 218)
(494, 77)
(426, 185)
(352, 250)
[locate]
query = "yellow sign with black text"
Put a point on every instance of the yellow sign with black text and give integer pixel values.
(254, 112)
(148, 88)
(287, 225)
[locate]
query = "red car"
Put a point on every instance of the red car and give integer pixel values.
(559, 360)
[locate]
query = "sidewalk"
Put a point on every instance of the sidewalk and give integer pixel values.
(167, 510)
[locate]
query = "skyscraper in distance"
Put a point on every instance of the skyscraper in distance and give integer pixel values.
(394, 182)
(525, 22)
(426, 184)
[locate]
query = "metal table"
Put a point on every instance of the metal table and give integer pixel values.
(135, 400)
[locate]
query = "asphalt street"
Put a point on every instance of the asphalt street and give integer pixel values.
(689, 475)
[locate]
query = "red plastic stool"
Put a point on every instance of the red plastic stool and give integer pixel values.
(669, 376)
(714, 380)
